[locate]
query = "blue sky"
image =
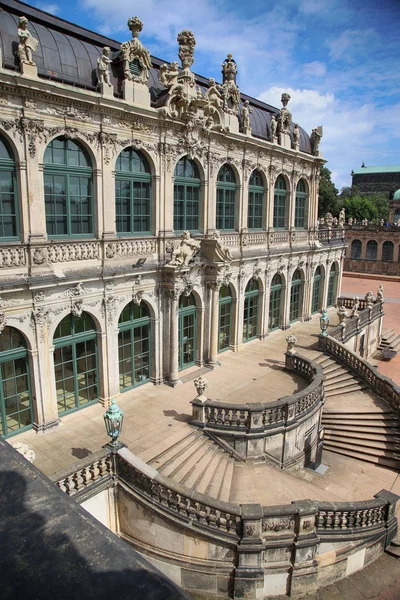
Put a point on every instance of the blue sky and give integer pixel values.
(338, 59)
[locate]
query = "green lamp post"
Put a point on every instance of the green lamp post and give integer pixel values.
(113, 419)
(324, 322)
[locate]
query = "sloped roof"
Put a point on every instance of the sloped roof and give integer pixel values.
(382, 169)
(68, 53)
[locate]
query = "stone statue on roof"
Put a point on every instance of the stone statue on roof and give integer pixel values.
(245, 114)
(272, 127)
(103, 67)
(315, 139)
(27, 43)
(285, 116)
(136, 57)
(229, 90)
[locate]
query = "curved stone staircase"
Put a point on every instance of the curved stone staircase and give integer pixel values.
(357, 423)
(196, 462)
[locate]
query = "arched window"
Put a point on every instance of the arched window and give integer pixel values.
(75, 362)
(280, 196)
(186, 196)
(316, 297)
(15, 391)
(187, 331)
(275, 300)
(356, 249)
(226, 199)
(372, 250)
(134, 347)
(300, 211)
(397, 215)
(9, 222)
(295, 297)
(331, 286)
(250, 315)
(132, 193)
(225, 308)
(387, 251)
(256, 201)
(68, 189)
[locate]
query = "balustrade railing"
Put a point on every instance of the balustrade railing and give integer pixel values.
(85, 476)
(248, 417)
(345, 516)
(350, 327)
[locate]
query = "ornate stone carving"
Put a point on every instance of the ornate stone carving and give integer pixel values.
(284, 119)
(342, 217)
(103, 67)
(229, 89)
(3, 321)
(40, 255)
(277, 525)
(184, 251)
(245, 117)
(137, 297)
(136, 57)
(272, 129)
(71, 112)
(342, 314)
(27, 43)
(12, 257)
(291, 342)
(109, 308)
(315, 139)
(24, 450)
(78, 290)
(39, 297)
(201, 385)
(250, 529)
(379, 294)
(329, 219)
(41, 318)
(77, 308)
(132, 248)
(73, 252)
(369, 298)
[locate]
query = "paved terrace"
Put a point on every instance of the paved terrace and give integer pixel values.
(157, 417)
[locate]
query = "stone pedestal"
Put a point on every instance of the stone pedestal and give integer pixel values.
(29, 71)
(231, 122)
(107, 90)
(136, 93)
(285, 141)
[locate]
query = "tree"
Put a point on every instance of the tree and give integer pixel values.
(381, 203)
(327, 201)
(360, 208)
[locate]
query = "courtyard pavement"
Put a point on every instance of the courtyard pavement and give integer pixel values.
(156, 417)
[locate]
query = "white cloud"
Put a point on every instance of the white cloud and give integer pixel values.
(352, 43)
(314, 69)
(53, 9)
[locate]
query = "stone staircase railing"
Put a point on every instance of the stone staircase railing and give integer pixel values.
(94, 471)
(245, 426)
(352, 326)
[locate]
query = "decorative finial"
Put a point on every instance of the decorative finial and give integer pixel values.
(291, 342)
(186, 43)
(229, 69)
(201, 385)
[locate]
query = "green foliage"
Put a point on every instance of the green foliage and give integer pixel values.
(360, 208)
(327, 201)
(382, 205)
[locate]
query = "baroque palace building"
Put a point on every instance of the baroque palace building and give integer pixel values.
(150, 219)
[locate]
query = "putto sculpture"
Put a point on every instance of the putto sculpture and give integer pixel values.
(369, 298)
(136, 57)
(103, 67)
(184, 251)
(27, 43)
(379, 293)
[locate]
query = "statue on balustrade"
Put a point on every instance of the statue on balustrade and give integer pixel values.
(27, 43)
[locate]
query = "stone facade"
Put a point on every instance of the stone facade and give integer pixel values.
(373, 249)
(377, 180)
(45, 277)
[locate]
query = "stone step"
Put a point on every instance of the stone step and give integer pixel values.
(354, 387)
(377, 452)
(202, 483)
(325, 361)
(393, 550)
(220, 478)
(226, 483)
(149, 456)
(378, 460)
(184, 462)
(337, 378)
(356, 435)
(339, 385)
(368, 419)
(370, 428)
(334, 368)
(174, 452)
(377, 413)
(199, 471)
(358, 442)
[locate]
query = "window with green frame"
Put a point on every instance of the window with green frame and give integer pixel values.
(295, 297)
(225, 308)
(187, 331)
(134, 346)
(226, 199)
(275, 301)
(15, 390)
(316, 294)
(331, 286)
(300, 209)
(186, 196)
(132, 193)
(250, 315)
(256, 201)
(68, 189)
(280, 196)
(75, 362)
(9, 219)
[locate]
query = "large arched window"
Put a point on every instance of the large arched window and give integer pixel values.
(15, 391)
(256, 201)
(250, 315)
(331, 286)
(75, 362)
(9, 223)
(387, 251)
(134, 346)
(68, 189)
(225, 308)
(372, 250)
(280, 195)
(275, 301)
(187, 331)
(316, 295)
(356, 249)
(186, 196)
(295, 297)
(226, 199)
(300, 212)
(132, 193)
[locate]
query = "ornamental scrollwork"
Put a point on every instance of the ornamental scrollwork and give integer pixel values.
(277, 526)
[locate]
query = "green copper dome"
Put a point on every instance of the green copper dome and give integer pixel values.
(396, 195)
